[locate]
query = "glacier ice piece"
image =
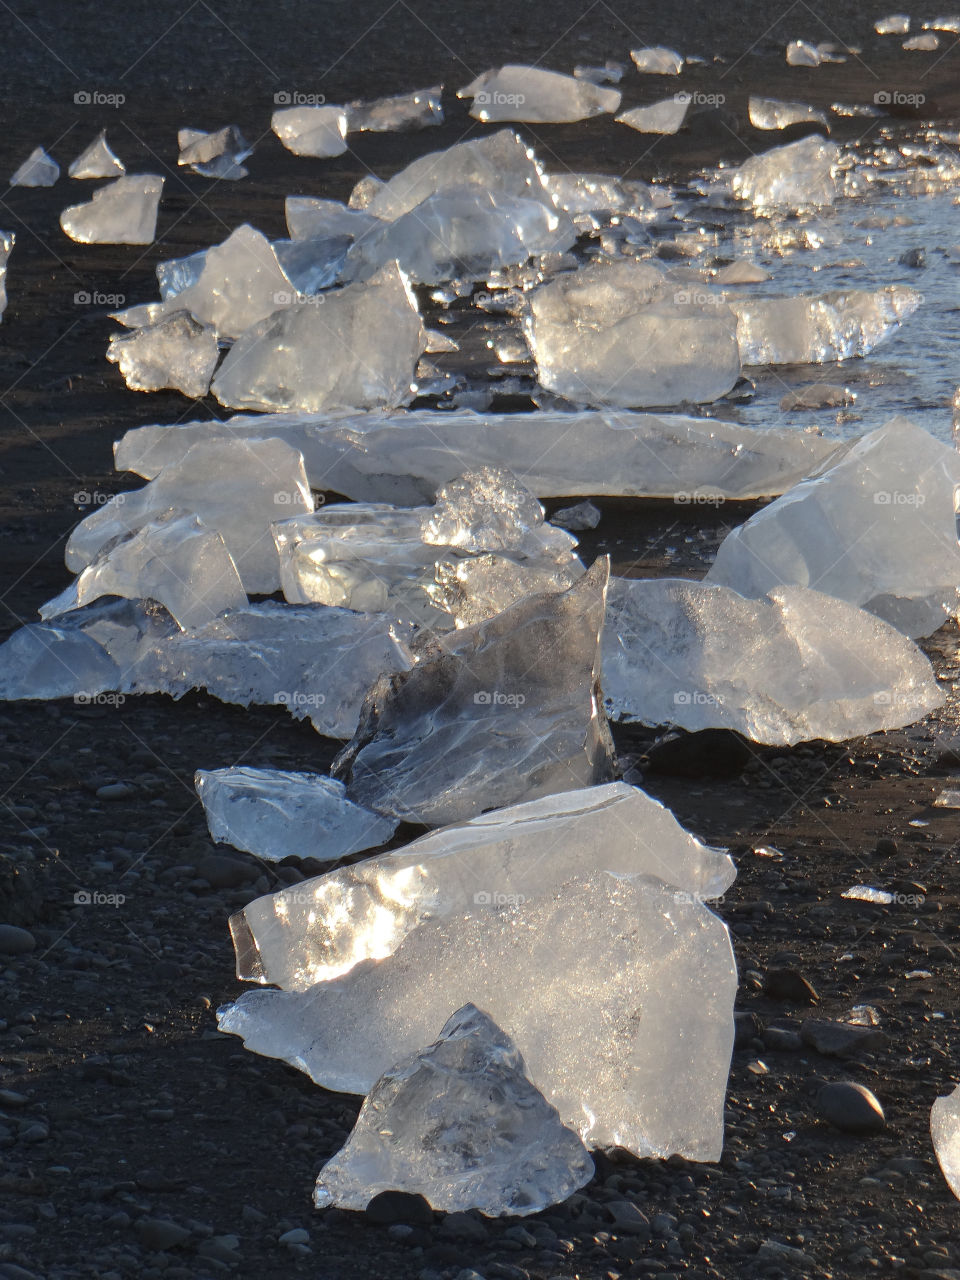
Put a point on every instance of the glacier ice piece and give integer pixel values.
(214, 155)
(276, 814)
(173, 559)
(38, 170)
(500, 711)
(877, 527)
(7, 241)
(798, 175)
(235, 487)
(583, 194)
(657, 61)
(821, 395)
(948, 799)
(476, 587)
(925, 43)
(350, 348)
(791, 667)
(313, 218)
(895, 24)
(401, 111)
(864, 893)
(771, 113)
(800, 53)
(621, 333)
(176, 274)
(176, 352)
(122, 212)
(582, 516)
(610, 73)
(943, 24)
(532, 94)
(311, 265)
(460, 1124)
(741, 272)
(97, 160)
(945, 1133)
(660, 117)
(312, 131)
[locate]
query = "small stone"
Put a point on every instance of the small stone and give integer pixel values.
(839, 1039)
(15, 941)
(913, 258)
(296, 1236)
(462, 1226)
(851, 1107)
(398, 1206)
(8, 1098)
(116, 791)
(746, 1026)
(160, 1235)
(628, 1219)
(781, 1039)
(789, 984)
(223, 872)
(887, 847)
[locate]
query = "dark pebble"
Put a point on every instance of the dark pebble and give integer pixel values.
(398, 1206)
(851, 1107)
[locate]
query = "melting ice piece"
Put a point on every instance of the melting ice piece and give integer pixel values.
(877, 527)
(802, 54)
(662, 117)
(477, 587)
(770, 113)
(7, 241)
(38, 170)
(855, 109)
(820, 328)
(313, 218)
(864, 893)
(609, 73)
(173, 559)
(177, 352)
(501, 711)
(311, 265)
(943, 24)
(583, 516)
(925, 43)
(214, 155)
(312, 131)
(586, 328)
(949, 799)
(788, 668)
(742, 272)
(403, 111)
(581, 194)
(945, 1133)
(123, 212)
(897, 24)
(822, 395)
(176, 274)
(798, 175)
(358, 350)
(235, 487)
(657, 61)
(275, 814)
(97, 160)
(460, 1124)
(515, 92)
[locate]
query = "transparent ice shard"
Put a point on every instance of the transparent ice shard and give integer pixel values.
(586, 328)
(798, 175)
(878, 527)
(822, 395)
(610, 73)
(123, 212)
(177, 352)
(7, 241)
(896, 24)
(583, 516)
(600, 194)
(173, 559)
(240, 283)
(235, 487)
(945, 1134)
(657, 61)
(402, 111)
(741, 272)
(176, 274)
(97, 160)
(501, 711)
(312, 131)
(311, 265)
(38, 170)
(926, 43)
(800, 53)
(515, 92)
(771, 113)
(313, 218)
(661, 117)
(460, 1124)
(473, 588)
(787, 668)
(276, 814)
(214, 155)
(355, 347)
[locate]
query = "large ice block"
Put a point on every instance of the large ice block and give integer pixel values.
(820, 328)
(504, 710)
(532, 94)
(38, 170)
(877, 527)
(622, 334)
(176, 352)
(792, 667)
(945, 1133)
(402, 111)
(276, 814)
(460, 1124)
(97, 160)
(312, 131)
(798, 175)
(123, 212)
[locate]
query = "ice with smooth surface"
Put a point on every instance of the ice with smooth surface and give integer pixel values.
(771, 113)
(312, 131)
(97, 160)
(214, 155)
(236, 487)
(173, 559)
(276, 814)
(945, 1133)
(176, 352)
(38, 170)
(311, 265)
(504, 710)
(350, 348)
(657, 61)
(610, 73)
(314, 218)
(123, 212)
(878, 527)
(817, 329)
(792, 667)
(800, 53)
(896, 24)
(402, 111)
(623, 334)
(798, 175)
(461, 1124)
(661, 117)
(7, 241)
(926, 43)
(532, 94)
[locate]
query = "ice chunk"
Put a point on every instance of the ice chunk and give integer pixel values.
(798, 175)
(945, 1133)
(38, 170)
(877, 528)
(177, 352)
(311, 265)
(357, 350)
(897, 24)
(609, 73)
(657, 61)
(742, 272)
(516, 92)
(661, 117)
(802, 54)
(820, 328)
(236, 487)
(275, 814)
(7, 241)
(948, 799)
(856, 109)
(311, 218)
(822, 395)
(600, 194)
(926, 43)
(312, 131)
(460, 1124)
(402, 111)
(176, 274)
(173, 559)
(123, 212)
(97, 160)
(943, 24)
(476, 587)
(583, 516)
(864, 893)
(586, 329)
(770, 113)
(789, 668)
(501, 711)
(214, 155)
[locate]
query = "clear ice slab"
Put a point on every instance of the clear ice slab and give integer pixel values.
(771, 113)
(400, 112)
(664, 117)
(314, 218)
(657, 61)
(276, 814)
(791, 667)
(214, 155)
(97, 161)
(537, 96)
(798, 175)
(175, 353)
(312, 131)
(817, 329)
(123, 212)
(461, 1124)
(38, 170)
(876, 527)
